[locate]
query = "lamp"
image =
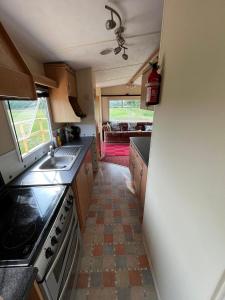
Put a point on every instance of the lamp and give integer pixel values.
(117, 50)
(110, 24)
(124, 56)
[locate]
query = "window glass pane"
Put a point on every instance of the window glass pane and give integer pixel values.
(31, 123)
(128, 110)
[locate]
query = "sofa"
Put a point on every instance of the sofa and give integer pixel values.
(115, 132)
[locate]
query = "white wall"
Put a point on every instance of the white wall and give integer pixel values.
(184, 219)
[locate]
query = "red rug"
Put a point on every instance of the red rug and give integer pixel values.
(109, 149)
(116, 153)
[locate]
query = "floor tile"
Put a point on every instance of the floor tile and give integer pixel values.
(121, 262)
(138, 293)
(122, 278)
(96, 279)
(114, 264)
(143, 261)
(82, 282)
(108, 262)
(123, 293)
(109, 279)
(108, 249)
(119, 249)
(134, 278)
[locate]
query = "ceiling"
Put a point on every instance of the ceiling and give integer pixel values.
(74, 31)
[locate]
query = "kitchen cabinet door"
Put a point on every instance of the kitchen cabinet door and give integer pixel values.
(82, 187)
(35, 293)
(82, 195)
(89, 171)
(143, 185)
(132, 160)
(137, 177)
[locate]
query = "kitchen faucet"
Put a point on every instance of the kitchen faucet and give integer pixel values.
(51, 151)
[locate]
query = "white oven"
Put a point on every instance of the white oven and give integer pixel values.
(64, 262)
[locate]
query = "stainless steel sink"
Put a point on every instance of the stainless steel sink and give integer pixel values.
(63, 159)
(58, 163)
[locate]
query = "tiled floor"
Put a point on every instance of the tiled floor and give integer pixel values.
(114, 264)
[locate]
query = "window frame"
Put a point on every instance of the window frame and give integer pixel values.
(36, 150)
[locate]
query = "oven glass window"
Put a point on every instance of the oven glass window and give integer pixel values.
(59, 265)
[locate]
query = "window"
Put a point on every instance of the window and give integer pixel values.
(30, 121)
(128, 110)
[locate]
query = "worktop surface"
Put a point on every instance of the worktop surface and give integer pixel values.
(16, 282)
(31, 178)
(142, 145)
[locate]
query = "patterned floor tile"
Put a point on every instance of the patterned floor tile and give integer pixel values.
(123, 294)
(114, 264)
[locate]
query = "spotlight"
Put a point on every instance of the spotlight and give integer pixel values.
(110, 24)
(120, 40)
(117, 50)
(124, 56)
(106, 51)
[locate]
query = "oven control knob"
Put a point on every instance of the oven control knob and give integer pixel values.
(66, 208)
(69, 202)
(58, 230)
(48, 252)
(54, 240)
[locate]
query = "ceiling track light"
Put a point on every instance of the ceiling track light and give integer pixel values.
(111, 24)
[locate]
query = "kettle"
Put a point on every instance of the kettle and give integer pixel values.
(75, 132)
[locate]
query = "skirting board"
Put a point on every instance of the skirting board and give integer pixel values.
(149, 259)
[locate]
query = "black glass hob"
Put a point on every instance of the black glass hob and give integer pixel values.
(24, 217)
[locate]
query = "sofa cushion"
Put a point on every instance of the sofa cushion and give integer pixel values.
(124, 126)
(132, 126)
(148, 127)
(115, 126)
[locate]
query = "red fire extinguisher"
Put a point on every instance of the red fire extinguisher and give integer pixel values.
(153, 86)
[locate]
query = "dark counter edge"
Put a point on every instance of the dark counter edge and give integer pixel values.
(142, 145)
(29, 178)
(26, 285)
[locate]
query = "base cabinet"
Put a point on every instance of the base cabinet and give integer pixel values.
(35, 293)
(82, 188)
(138, 170)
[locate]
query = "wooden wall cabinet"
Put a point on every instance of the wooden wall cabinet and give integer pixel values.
(82, 188)
(62, 108)
(138, 170)
(16, 80)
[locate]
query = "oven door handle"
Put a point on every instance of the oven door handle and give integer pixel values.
(71, 269)
(62, 247)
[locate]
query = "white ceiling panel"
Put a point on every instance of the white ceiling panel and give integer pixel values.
(74, 31)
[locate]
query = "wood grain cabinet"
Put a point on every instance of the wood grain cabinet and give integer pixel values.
(82, 188)
(138, 170)
(61, 97)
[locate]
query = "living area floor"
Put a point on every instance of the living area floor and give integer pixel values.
(114, 264)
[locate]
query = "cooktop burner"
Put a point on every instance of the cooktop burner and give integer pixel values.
(24, 215)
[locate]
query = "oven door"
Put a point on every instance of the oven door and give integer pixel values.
(57, 277)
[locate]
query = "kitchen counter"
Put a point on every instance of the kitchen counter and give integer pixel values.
(29, 177)
(142, 145)
(16, 282)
